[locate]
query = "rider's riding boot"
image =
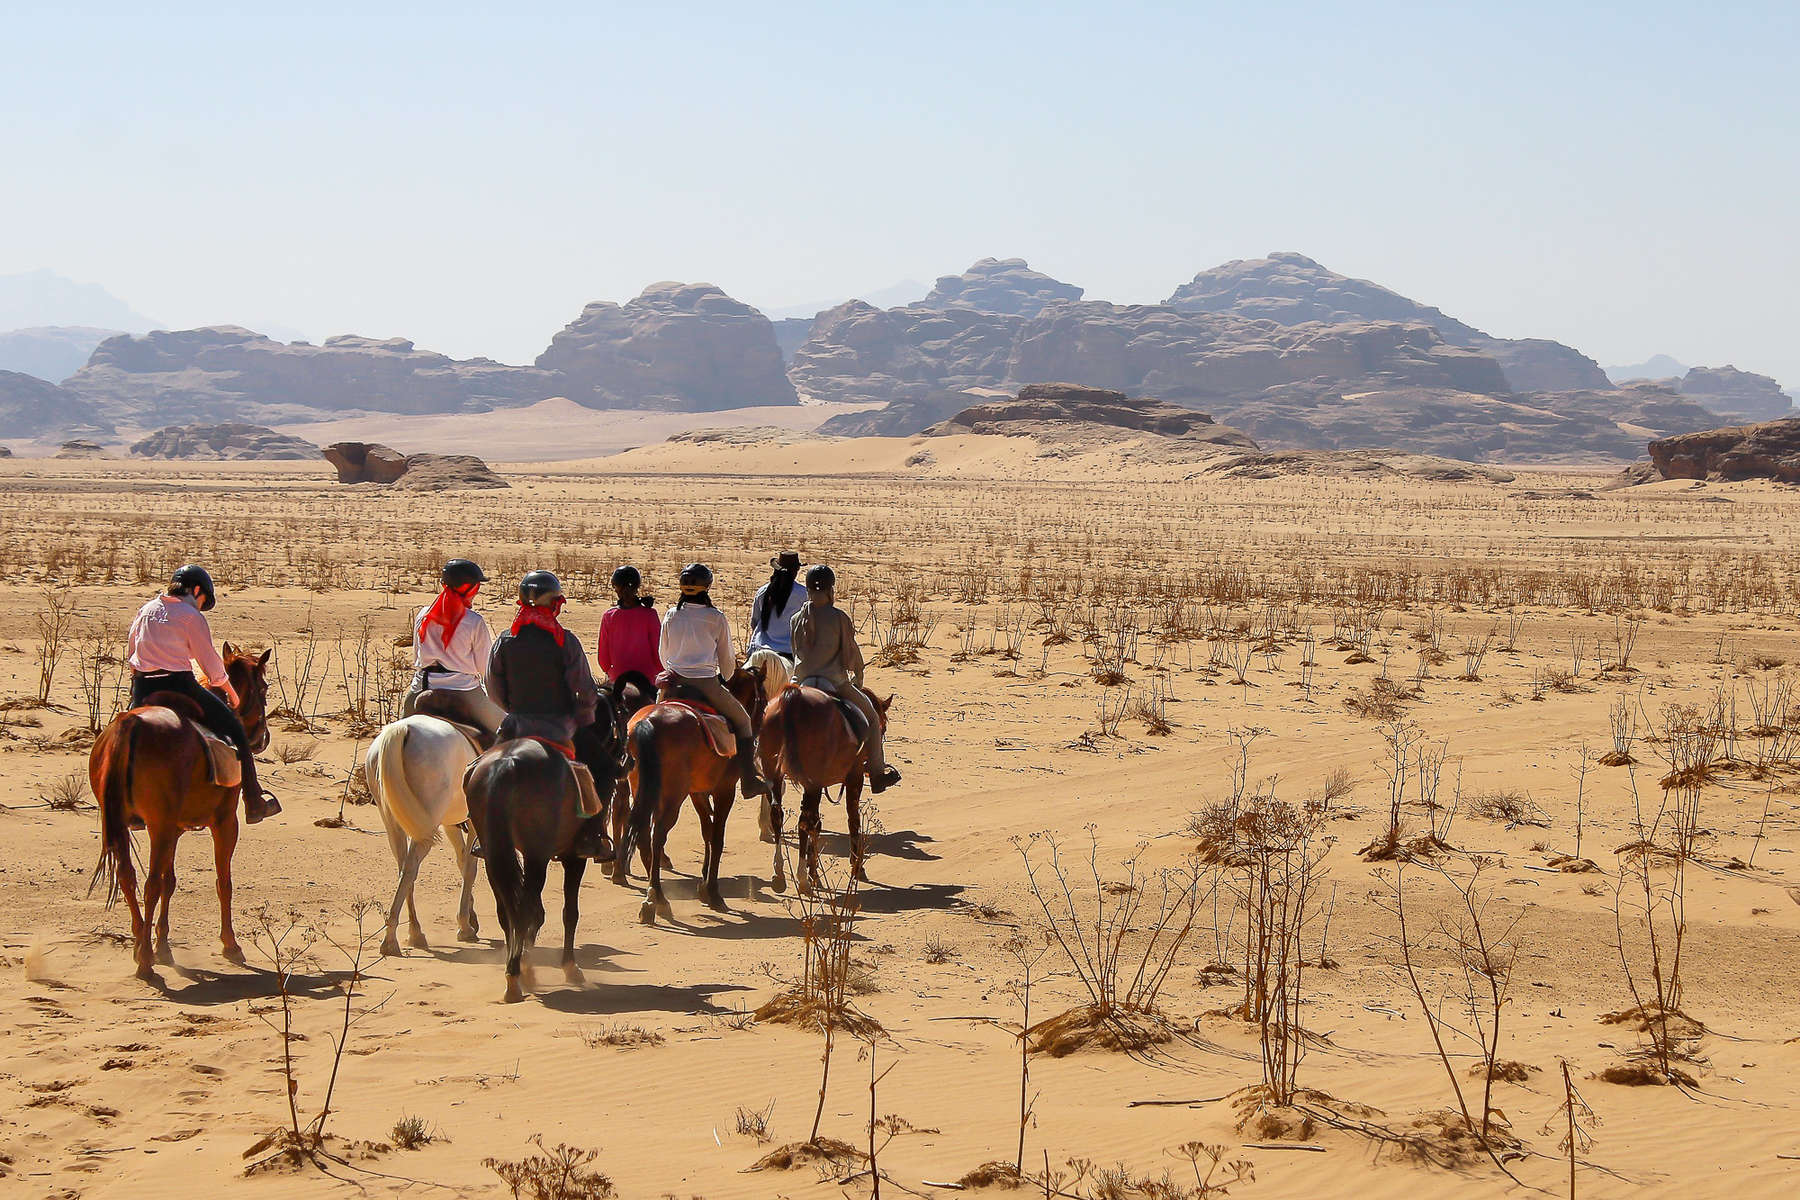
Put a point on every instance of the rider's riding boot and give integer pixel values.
(752, 783)
(591, 840)
(258, 803)
(476, 850)
(885, 779)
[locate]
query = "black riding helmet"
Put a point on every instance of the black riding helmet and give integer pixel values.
(820, 577)
(695, 578)
(627, 577)
(539, 589)
(195, 579)
(459, 572)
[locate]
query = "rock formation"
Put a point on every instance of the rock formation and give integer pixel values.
(1730, 392)
(1769, 450)
(371, 462)
(225, 373)
(1291, 289)
(52, 352)
(688, 347)
(32, 407)
(999, 285)
(1064, 412)
(235, 441)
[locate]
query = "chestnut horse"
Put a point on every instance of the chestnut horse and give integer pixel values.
(151, 764)
(672, 759)
(807, 739)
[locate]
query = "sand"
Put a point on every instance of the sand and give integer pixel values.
(111, 1087)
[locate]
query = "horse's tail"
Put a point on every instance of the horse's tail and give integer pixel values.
(790, 740)
(503, 870)
(649, 790)
(115, 832)
(402, 811)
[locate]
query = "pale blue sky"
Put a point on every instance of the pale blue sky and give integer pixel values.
(1622, 177)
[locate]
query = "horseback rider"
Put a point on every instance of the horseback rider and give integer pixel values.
(830, 660)
(538, 674)
(168, 637)
(772, 612)
(630, 632)
(451, 642)
(696, 651)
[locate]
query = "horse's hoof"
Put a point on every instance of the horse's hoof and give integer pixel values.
(514, 993)
(390, 949)
(647, 913)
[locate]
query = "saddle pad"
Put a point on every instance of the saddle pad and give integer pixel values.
(718, 729)
(590, 795)
(222, 761)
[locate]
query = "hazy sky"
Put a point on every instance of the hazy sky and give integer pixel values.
(1622, 177)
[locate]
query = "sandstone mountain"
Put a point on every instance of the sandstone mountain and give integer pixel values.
(1734, 393)
(677, 346)
(233, 441)
(31, 407)
(1769, 450)
(1291, 289)
(52, 352)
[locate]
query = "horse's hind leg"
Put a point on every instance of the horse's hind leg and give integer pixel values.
(777, 786)
(157, 886)
(467, 927)
(573, 866)
(409, 872)
(853, 787)
(225, 836)
(810, 825)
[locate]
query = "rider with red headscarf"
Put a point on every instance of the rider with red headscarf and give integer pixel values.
(451, 642)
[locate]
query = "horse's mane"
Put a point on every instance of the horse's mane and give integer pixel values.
(773, 669)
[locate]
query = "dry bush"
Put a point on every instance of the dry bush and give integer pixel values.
(1121, 937)
(559, 1172)
(66, 793)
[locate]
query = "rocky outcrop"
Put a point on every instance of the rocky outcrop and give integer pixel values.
(1769, 450)
(32, 407)
(902, 418)
(1291, 289)
(226, 373)
(687, 347)
(371, 462)
(233, 441)
(51, 352)
(1730, 392)
(1071, 412)
(1000, 285)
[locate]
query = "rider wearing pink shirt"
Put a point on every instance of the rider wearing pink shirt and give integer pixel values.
(168, 637)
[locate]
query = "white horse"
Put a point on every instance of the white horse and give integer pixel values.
(415, 771)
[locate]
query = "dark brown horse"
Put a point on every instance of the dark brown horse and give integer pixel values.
(151, 765)
(672, 760)
(807, 738)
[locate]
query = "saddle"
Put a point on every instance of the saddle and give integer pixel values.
(718, 730)
(584, 778)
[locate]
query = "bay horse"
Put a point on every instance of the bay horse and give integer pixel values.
(807, 738)
(414, 769)
(672, 759)
(526, 808)
(151, 764)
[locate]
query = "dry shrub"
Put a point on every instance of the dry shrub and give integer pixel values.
(1381, 702)
(820, 1152)
(559, 1172)
(1088, 1028)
